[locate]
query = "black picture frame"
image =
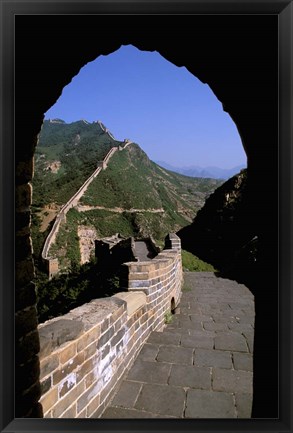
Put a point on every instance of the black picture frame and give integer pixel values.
(284, 10)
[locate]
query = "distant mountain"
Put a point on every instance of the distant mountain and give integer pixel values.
(132, 196)
(206, 172)
(66, 155)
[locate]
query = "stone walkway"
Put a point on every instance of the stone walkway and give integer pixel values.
(200, 366)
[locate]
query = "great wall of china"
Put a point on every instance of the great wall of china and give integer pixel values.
(85, 354)
(51, 263)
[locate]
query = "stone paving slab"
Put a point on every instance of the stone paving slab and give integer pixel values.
(175, 355)
(149, 352)
(162, 399)
(200, 366)
(242, 361)
(128, 394)
(209, 404)
(190, 376)
(171, 338)
(232, 380)
(151, 372)
(197, 341)
(243, 405)
(213, 358)
(120, 412)
(231, 340)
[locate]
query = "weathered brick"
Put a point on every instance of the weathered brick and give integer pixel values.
(58, 332)
(106, 392)
(105, 325)
(67, 384)
(139, 276)
(119, 323)
(25, 321)
(88, 395)
(99, 411)
(117, 337)
(68, 353)
(105, 351)
(48, 365)
(70, 412)
(85, 368)
(137, 284)
(82, 414)
(46, 385)
(120, 346)
(66, 401)
(117, 314)
(105, 337)
(90, 378)
(90, 350)
(143, 318)
(49, 399)
(61, 374)
(88, 338)
(93, 406)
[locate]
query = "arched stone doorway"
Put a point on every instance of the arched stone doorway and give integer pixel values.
(243, 80)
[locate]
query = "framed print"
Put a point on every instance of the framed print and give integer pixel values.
(51, 377)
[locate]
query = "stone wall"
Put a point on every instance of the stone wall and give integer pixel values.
(85, 353)
(50, 263)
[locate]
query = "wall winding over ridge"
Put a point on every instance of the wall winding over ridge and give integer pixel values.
(52, 263)
(85, 353)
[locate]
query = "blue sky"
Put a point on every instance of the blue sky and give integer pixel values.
(139, 95)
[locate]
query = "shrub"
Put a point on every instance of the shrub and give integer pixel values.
(193, 263)
(168, 317)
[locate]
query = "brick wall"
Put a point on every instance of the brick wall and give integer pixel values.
(85, 353)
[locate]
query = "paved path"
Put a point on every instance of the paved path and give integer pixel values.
(141, 251)
(200, 366)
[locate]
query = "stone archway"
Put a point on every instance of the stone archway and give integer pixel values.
(245, 83)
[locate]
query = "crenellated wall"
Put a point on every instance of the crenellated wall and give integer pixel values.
(85, 353)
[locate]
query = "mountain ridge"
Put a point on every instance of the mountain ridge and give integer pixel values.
(209, 172)
(130, 182)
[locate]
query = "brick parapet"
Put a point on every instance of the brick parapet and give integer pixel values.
(85, 353)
